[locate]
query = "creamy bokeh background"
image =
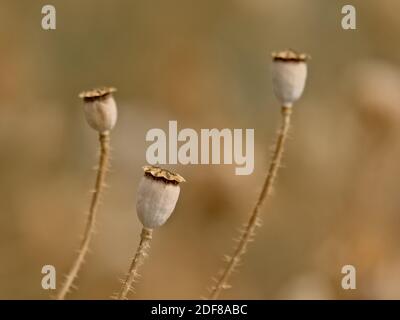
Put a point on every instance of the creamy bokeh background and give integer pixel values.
(205, 64)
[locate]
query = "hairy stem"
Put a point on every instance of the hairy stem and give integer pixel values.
(253, 222)
(137, 261)
(104, 139)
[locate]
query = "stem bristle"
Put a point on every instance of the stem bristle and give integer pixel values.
(248, 235)
(83, 250)
(140, 255)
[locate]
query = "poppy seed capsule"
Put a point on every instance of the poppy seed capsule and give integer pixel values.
(157, 196)
(100, 108)
(289, 73)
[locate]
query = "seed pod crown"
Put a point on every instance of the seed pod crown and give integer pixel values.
(158, 173)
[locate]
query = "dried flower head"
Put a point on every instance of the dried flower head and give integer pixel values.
(157, 196)
(100, 108)
(289, 73)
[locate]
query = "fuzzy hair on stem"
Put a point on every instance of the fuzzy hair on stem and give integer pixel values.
(104, 139)
(137, 261)
(254, 220)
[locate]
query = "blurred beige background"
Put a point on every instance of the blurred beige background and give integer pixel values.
(205, 64)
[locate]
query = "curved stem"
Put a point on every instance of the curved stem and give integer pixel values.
(104, 139)
(137, 261)
(253, 222)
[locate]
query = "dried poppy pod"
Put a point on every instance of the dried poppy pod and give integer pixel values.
(157, 196)
(101, 114)
(289, 70)
(100, 108)
(289, 74)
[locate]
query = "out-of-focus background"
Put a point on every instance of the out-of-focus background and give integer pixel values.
(205, 64)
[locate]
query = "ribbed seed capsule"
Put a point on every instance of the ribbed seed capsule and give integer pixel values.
(100, 108)
(157, 196)
(289, 74)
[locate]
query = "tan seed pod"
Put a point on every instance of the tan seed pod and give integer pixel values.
(289, 74)
(157, 196)
(100, 108)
